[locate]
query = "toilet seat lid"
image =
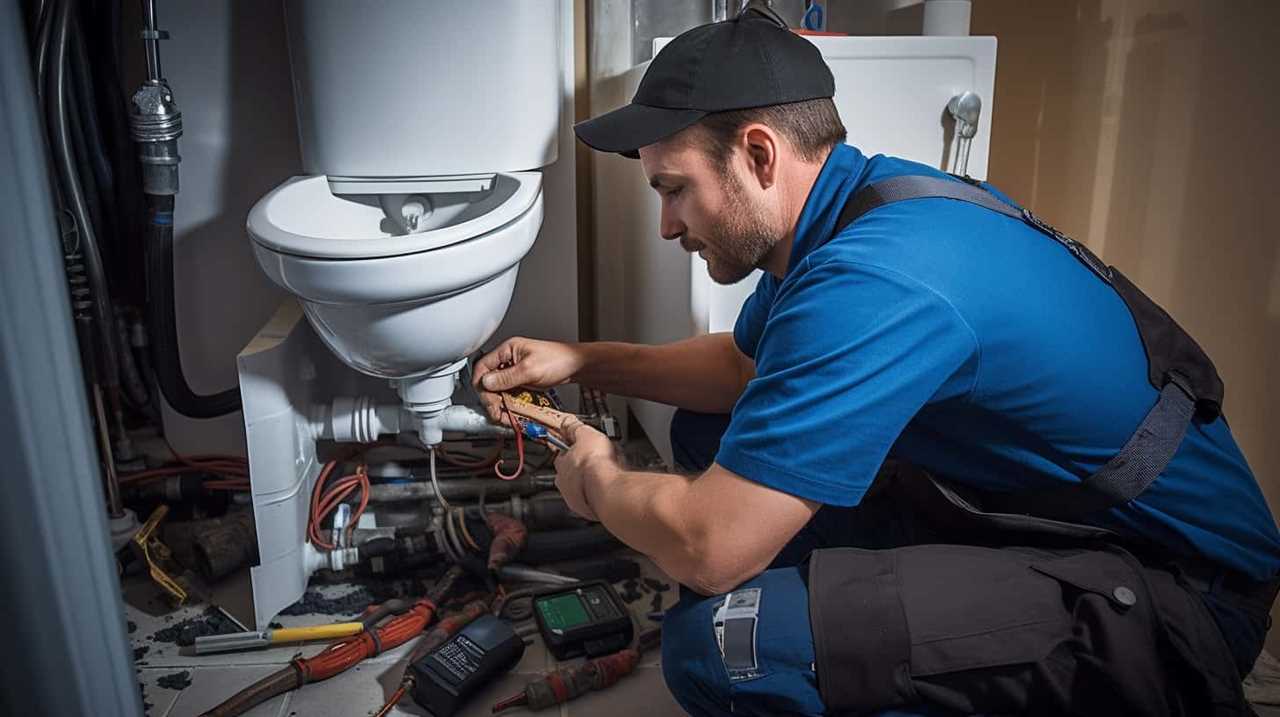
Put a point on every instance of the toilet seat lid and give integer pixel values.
(304, 218)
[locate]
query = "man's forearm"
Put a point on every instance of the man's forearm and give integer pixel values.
(704, 373)
(644, 510)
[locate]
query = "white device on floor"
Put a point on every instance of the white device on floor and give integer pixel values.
(422, 128)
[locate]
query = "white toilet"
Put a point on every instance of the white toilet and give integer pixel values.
(419, 123)
(422, 126)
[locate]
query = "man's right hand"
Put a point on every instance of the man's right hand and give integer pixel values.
(524, 362)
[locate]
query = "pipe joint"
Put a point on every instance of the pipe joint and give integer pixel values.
(155, 124)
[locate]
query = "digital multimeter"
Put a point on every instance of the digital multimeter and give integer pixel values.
(451, 673)
(584, 619)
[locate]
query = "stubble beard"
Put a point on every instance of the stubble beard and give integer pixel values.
(739, 242)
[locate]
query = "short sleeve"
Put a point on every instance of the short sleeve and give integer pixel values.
(848, 355)
(753, 316)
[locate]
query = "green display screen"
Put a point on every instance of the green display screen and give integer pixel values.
(563, 612)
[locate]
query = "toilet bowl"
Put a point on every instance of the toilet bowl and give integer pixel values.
(391, 303)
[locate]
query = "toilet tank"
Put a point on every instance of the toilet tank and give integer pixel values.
(407, 88)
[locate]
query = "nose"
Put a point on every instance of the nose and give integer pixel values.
(670, 227)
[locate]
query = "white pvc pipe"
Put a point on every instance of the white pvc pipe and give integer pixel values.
(947, 17)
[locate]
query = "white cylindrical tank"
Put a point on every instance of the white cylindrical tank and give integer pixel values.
(414, 88)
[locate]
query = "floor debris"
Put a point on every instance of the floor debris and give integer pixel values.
(656, 585)
(631, 591)
(175, 681)
(312, 602)
(185, 632)
(655, 605)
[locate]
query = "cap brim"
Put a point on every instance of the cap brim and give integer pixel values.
(627, 129)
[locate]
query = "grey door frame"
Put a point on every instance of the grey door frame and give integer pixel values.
(59, 594)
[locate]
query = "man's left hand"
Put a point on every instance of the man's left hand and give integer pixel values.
(590, 457)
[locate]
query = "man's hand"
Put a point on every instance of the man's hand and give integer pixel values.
(590, 457)
(523, 362)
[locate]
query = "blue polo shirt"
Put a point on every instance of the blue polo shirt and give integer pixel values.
(977, 348)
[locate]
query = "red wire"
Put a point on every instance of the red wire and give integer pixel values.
(326, 498)
(515, 426)
(228, 467)
(395, 699)
(485, 462)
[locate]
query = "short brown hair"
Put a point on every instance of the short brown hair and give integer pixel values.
(812, 127)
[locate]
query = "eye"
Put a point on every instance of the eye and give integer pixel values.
(674, 192)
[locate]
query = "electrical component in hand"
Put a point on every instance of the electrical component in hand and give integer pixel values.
(570, 683)
(538, 432)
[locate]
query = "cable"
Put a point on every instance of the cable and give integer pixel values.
(454, 542)
(435, 484)
(62, 145)
(395, 699)
(516, 428)
(341, 655)
(325, 498)
(506, 607)
(232, 471)
(485, 462)
(461, 516)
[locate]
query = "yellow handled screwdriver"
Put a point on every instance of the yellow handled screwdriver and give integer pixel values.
(258, 639)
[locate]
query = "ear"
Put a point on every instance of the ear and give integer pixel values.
(762, 144)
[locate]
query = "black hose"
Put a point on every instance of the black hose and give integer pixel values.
(553, 545)
(65, 163)
(97, 168)
(161, 316)
(82, 146)
(135, 387)
(44, 32)
(113, 105)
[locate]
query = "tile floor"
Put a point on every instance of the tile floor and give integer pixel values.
(361, 691)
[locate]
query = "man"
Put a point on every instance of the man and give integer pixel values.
(1120, 566)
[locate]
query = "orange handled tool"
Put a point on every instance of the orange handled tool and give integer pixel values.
(572, 682)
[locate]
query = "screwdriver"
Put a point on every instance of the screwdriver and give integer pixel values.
(257, 639)
(572, 682)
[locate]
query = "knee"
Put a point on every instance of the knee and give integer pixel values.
(695, 438)
(691, 661)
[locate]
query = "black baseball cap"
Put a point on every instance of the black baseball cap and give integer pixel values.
(753, 60)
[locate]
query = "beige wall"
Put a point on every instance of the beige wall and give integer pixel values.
(1151, 131)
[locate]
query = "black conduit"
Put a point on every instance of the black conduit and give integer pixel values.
(43, 36)
(96, 168)
(163, 320)
(58, 97)
(155, 125)
(556, 545)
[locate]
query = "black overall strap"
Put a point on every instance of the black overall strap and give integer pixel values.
(1147, 452)
(897, 189)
